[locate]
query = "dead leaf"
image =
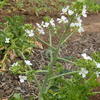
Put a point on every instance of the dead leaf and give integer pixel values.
(1, 47)
(12, 54)
(4, 99)
(38, 44)
(3, 70)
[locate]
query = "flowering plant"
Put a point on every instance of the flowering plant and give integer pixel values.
(14, 37)
(55, 86)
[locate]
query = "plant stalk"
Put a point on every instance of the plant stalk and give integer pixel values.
(53, 61)
(63, 75)
(45, 43)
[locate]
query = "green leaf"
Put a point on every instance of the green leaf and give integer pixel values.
(96, 56)
(45, 97)
(46, 18)
(65, 71)
(16, 96)
(54, 88)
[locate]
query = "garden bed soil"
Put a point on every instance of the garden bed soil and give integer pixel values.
(87, 42)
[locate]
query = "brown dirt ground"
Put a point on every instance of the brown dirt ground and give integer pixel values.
(87, 42)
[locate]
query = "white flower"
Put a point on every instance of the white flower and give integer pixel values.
(63, 19)
(14, 64)
(84, 6)
(7, 40)
(28, 62)
(97, 73)
(30, 32)
(86, 57)
(97, 64)
(80, 30)
(46, 24)
(22, 78)
(41, 31)
(79, 20)
(70, 12)
(72, 24)
(64, 10)
(84, 11)
(52, 22)
(39, 26)
(89, 58)
(83, 72)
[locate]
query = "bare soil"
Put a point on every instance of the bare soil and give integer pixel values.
(87, 42)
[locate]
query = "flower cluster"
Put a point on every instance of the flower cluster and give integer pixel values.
(83, 71)
(84, 11)
(70, 12)
(45, 24)
(64, 11)
(63, 19)
(89, 58)
(29, 32)
(17, 68)
(40, 29)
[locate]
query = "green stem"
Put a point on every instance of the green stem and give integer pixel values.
(69, 36)
(94, 93)
(41, 71)
(63, 75)
(48, 87)
(50, 39)
(54, 60)
(51, 58)
(37, 82)
(35, 78)
(21, 54)
(45, 43)
(66, 60)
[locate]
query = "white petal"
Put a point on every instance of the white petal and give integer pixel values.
(28, 62)
(25, 77)
(80, 73)
(98, 65)
(86, 71)
(83, 75)
(20, 76)
(21, 80)
(86, 57)
(70, 12)
(82, 69)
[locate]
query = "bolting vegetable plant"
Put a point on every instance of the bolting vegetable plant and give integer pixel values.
(55, 86)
